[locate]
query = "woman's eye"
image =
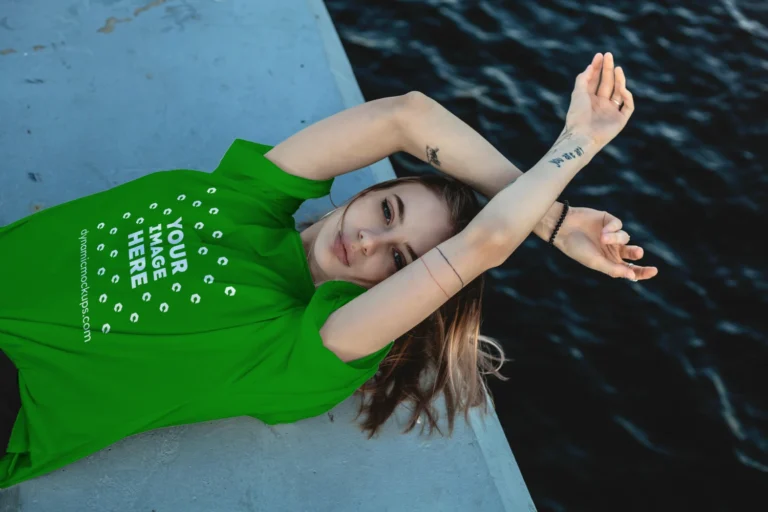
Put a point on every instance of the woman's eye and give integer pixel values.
(400, 265)
(387, 211)
(388, 217)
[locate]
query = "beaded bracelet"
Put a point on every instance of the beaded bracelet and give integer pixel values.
(560, 222)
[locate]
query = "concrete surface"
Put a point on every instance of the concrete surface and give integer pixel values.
(97, 93)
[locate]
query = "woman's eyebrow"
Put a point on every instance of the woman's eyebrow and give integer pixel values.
(400, 209)
(401, 216)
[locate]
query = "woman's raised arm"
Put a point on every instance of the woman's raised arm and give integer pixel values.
(399, 303)
(364, 134)
(436, 136)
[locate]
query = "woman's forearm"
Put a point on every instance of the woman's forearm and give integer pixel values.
(436, 136)
(512, 213)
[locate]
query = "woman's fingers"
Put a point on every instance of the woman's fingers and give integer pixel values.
(634, 253)
(613, 234)
(582, 80)
(594, 80)
(606, 78)
(620, 270)
(642, 273)
(618, 237)
(620, 82)
(626, 269)
(613, 224)
(621, 90)
(626, 252)
(631, 252)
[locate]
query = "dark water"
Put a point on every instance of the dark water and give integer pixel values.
(623, 396)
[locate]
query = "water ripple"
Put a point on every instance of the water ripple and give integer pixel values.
(664, 252)
(750, 462)
(638, 434)
(607, 12)
(751, 26)
(726, 408)
(656, 298)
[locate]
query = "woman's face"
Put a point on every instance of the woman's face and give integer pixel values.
(380, 235)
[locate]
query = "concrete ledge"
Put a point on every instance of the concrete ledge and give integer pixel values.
(97, 93)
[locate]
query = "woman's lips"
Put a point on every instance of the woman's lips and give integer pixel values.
(342, 250)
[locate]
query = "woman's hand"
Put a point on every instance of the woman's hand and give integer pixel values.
(601, 105)
(595, 239)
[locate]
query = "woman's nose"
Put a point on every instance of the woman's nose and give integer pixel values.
(370, 240)
(364, 240)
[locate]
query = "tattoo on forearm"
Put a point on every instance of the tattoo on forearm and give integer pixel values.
(568, 155)
(432, 156)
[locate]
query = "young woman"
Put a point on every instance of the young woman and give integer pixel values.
(187, 296)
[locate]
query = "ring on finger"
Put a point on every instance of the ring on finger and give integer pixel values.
(631, 265)
(618, 102)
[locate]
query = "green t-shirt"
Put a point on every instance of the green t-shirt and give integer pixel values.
(179, 297)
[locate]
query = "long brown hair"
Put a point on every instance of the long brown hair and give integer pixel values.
(443, 354)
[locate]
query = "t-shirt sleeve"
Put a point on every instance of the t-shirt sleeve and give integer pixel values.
(307, 379)
(245, 163)
(329, 297)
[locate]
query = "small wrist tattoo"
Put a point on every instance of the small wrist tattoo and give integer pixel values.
(568, 155)
(432, 156)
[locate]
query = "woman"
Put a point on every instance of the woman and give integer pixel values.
(186, 296)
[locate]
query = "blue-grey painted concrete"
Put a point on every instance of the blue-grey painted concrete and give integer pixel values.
(97, 93)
